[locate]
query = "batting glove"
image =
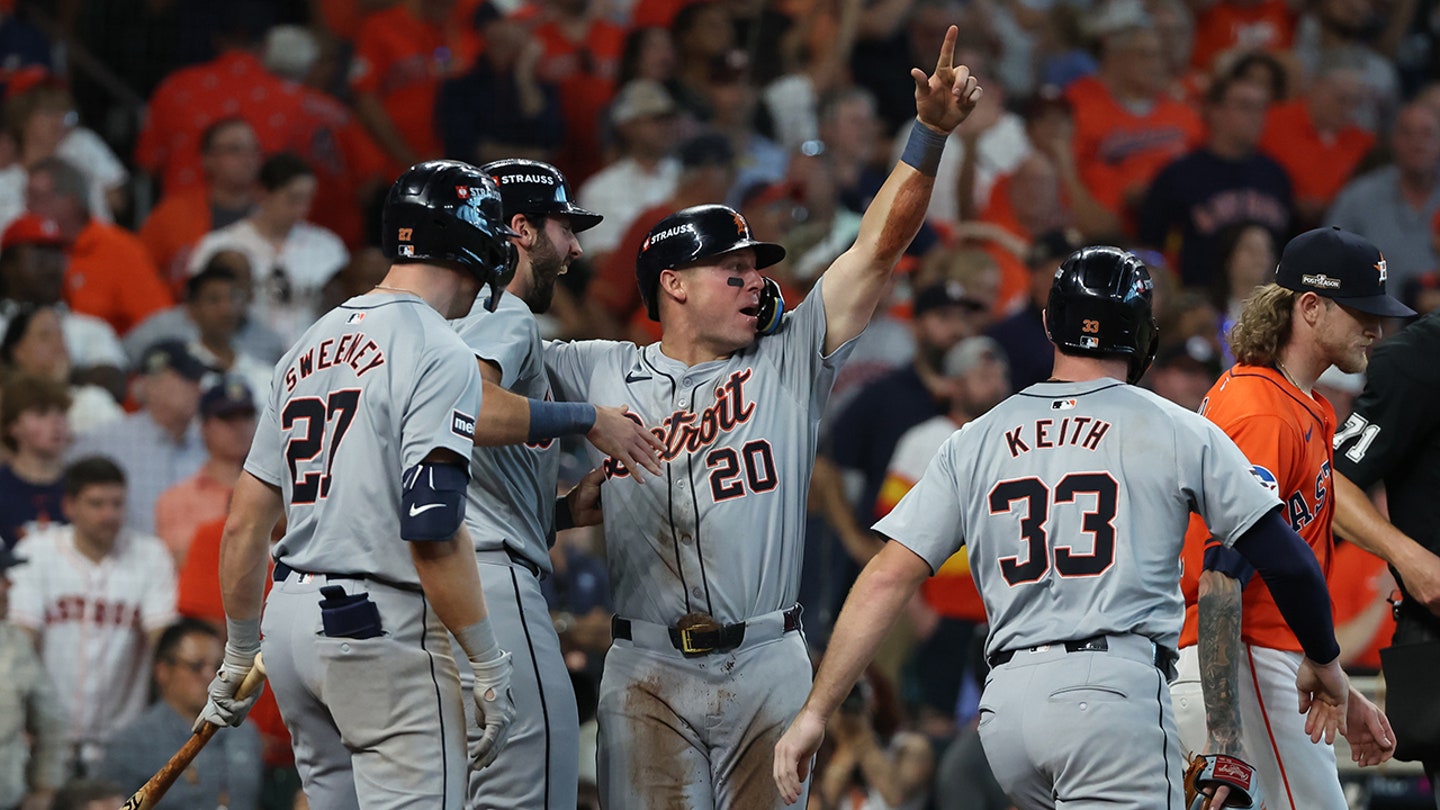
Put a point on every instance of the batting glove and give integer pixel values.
(494, 709)
(223, 708)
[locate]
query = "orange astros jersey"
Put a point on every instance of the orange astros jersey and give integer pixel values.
(1286, 436)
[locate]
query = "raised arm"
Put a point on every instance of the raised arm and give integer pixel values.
(857, 279)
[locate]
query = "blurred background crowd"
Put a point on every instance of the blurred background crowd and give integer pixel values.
(186, 185)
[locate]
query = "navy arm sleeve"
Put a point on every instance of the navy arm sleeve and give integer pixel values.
(1290, 570)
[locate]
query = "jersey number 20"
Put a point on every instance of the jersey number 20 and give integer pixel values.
(313, 485)
(1037, 497)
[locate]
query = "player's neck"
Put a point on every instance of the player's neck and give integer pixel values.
(1300, 367)
(439, 290)
(1070, 368)
(690, 351)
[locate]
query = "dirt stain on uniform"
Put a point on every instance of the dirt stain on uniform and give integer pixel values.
(657, 748)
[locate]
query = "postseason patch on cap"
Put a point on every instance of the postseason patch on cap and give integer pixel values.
(462, 425)
(1320, 281)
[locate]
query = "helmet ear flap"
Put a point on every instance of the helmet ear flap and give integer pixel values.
(1140, 362)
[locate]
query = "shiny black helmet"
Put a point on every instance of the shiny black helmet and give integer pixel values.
(1100, 303)
(690, 235)
(533, 187)
(445, 210)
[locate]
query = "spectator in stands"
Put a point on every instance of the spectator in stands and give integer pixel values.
(707, 171)
(111, 274)
(1224, 182)
(34, 431)
(22, 44)
(1371, 37)
(704, 37)
(849, 133)
(40, 116)
(251, 338)
(94, 597)
(32, 729)
(230, 160)
(500, 108)
(1022, 335)
(402, 54)
(32, 273)
(227, 771)
(89, 794)
(1126, 126)
(1246, 260)
(1394, 206)
(34, 346)
(1183, 372)
(733, 101)
(1227, 27)
(1315, 136)
(814, 55)
(864, 769)
(159, 445)
(581, 55)
(644, 175)
(290, 259)
(215, 302)
(947, 612)
(227, 426)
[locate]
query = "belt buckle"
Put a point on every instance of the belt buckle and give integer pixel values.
(687, 646)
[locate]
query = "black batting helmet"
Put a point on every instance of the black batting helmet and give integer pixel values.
(445, 210)
(689, 235)
(533, 187)
(1100, 304)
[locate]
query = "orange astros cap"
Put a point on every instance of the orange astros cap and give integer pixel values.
(31, 229)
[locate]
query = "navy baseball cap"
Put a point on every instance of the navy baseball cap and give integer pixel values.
(1341, 266)
(173, 355)
(946, 294)
(227, 397)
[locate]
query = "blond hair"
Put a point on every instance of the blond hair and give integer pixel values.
(1263, 326)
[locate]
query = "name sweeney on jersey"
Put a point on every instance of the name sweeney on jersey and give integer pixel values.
(351, 349)
(1046, 434)
(686, 431)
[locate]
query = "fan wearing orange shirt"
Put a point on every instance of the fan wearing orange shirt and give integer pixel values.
(1126, 127)
(1324, 308)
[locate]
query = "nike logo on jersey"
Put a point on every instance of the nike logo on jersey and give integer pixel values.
(416, 510)
(1309, 431)
(635, 376)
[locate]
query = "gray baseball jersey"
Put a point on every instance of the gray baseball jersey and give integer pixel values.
(375, 717)
(722, 530)
(510, 512)
(369, 390)
(511, 502)
(1072, 500)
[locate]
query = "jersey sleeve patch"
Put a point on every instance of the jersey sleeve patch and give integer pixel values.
(462, 425)
(1266, 478)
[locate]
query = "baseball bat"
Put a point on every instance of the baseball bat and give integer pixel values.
(152, 791)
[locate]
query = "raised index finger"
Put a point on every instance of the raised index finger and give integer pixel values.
(947, 49)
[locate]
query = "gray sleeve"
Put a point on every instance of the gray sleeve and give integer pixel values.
(569, 364)
(264, 461)
(1215, 475)
(928, 520)
(503, 337)
(443, 403)
(799, 350)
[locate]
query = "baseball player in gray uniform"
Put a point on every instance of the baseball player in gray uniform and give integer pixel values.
(364, 443)
(1072, 499)
(707, 665)
(512, 513)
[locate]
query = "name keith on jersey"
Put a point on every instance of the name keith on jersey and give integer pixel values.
(686, 431)
(351, 349)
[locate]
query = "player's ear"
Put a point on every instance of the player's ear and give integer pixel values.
(671, 284)
(522, 225)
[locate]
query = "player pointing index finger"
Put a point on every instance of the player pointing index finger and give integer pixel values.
(707, 665)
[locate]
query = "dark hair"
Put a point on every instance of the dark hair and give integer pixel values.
(685, 19)
(1220, 87)
(207, 138)
(77, 794)
(281, 168)
(212, 272)
(1279, 80)
(184, 626)
(23, 393)
(16, 329)
(631, 51)
(90, 471)
(1227, 241)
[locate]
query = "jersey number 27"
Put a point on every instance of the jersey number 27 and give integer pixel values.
(302, 448)
(1037, 497)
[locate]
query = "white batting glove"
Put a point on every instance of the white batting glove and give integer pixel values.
(494, 709)
(223, 708)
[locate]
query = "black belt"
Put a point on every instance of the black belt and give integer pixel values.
(1164, 656)
(702, 641)
(283, 571)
